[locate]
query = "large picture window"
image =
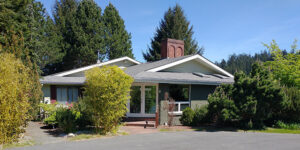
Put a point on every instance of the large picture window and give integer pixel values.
(66, 94)
(135, 100)
(150, 99)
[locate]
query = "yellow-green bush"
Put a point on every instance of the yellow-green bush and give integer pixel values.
(106, 94)
(15, 86)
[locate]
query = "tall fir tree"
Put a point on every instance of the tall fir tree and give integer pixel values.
(117, 39)
(81, 30)
(88, 33)
(42, 37)
(176, 26)
(65, 20)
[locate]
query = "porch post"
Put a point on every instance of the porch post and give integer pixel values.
(157, 108)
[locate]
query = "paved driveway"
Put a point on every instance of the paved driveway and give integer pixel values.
(188, 140)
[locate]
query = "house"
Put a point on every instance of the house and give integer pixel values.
(188, 80)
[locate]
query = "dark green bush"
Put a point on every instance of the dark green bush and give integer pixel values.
(67, 119)
(187, 116)
(248, 103)
(291, 126)
(291, 105)
(85, 118)
(200, 115)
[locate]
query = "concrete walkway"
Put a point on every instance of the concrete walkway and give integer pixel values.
(35, 132)
(187, 140)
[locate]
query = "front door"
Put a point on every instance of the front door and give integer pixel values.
(144, 98)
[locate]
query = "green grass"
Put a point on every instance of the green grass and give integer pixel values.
(84, 137)
(93, 135)
(20, 144)
(276, 130)
(217, 129)
(171, 130)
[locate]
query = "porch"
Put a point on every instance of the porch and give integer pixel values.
(146, 101)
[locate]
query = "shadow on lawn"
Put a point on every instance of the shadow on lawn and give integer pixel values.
(215, 129)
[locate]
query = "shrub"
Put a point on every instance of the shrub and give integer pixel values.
(201, 115)
(106, 95)
(85, 118)
(250, 101)
(221, 107)
(187, 116)
(291, 126)
(67, 118)
(291, 105)
(49, 113)
(15, 86)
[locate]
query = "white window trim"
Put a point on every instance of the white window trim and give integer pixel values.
(143, 114)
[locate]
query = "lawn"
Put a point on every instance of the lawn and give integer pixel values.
(276, 130)
(217, 129)
(19, 144)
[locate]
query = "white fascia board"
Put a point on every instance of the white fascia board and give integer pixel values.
(189, 59)
(97, 65)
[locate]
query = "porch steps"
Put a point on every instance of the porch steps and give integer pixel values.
(140, 123)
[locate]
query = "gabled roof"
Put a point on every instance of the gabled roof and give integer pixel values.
(153, 72)
(151, 65)
(186, 59)
(61, 74)
(170, 62)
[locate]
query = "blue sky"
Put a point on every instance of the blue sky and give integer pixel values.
(223, 27)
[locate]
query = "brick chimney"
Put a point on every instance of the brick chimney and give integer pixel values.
(171, 48)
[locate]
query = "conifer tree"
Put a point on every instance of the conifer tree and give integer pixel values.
(117, 39)
(81, 30)
(176, 26)
(88, 34)
(65, 20)
(41, 37)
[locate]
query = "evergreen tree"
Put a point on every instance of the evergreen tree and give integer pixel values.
(117, 39)
(174, 25)
(243, 62)
(41, 37)
(81, 29)
(65, 20)
(88, 34)
(16, 38)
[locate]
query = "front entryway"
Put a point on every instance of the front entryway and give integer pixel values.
(143, 101)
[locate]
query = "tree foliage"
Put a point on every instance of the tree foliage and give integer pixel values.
(106, 95)
(176, 26)
(84, 37)
(250, 101)
(243, 62)
(286, 68)
(15, 90)
(117, 39)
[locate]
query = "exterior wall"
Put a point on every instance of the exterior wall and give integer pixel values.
(163, 115)
(47, 93)
(190, 67)
(199, 94)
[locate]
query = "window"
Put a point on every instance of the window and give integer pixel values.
(66, 94)
(179, 92)
(135, 100)
(150, 99)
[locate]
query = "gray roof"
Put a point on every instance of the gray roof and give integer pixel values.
(57, 80)
(140, 74)
(150, 65)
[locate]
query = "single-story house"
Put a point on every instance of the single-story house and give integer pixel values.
(188, 80)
